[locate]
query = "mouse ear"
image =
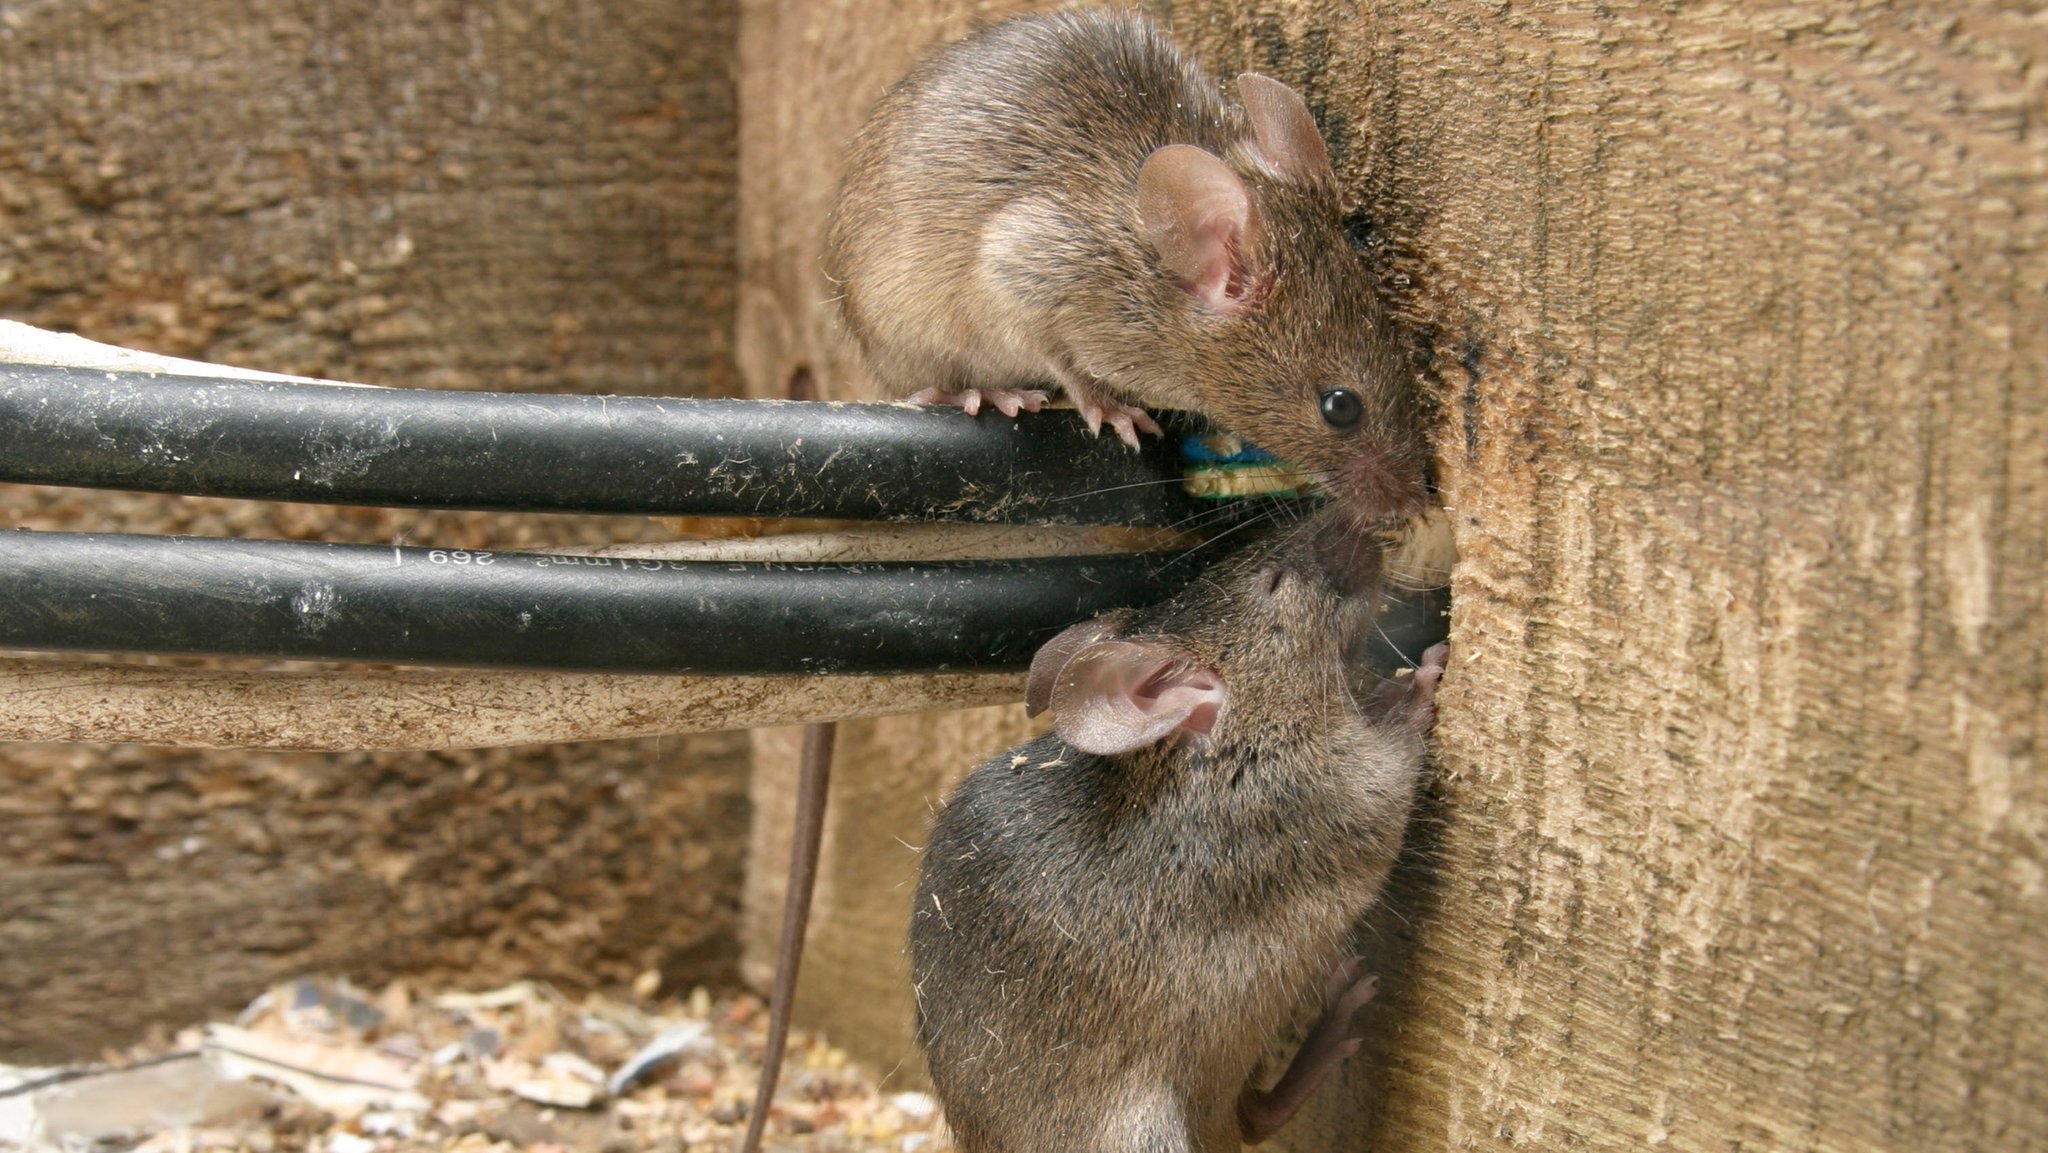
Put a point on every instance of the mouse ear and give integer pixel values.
(1198, 215)
(1289, 141)
(1117, 696)
(1055, 653)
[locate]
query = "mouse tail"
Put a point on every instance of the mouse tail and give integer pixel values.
(814, 779)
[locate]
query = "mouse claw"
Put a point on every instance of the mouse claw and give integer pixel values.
(1008, 401)
(1342, 980)
(1356, 995)
(1130, 420)
(1409, 696)
(936, 396)
(1013, 401)
(1127, 419)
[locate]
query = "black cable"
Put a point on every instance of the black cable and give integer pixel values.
(89, 592)
(344, 444)
(335, 443)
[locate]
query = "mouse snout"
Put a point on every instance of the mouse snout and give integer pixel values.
(1383, 482)
(1296, 586)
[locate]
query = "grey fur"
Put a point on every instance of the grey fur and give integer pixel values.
(1103, 946)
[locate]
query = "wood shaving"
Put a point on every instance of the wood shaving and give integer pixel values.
(338, 1070)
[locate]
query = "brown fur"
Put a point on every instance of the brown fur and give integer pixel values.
(988, 235)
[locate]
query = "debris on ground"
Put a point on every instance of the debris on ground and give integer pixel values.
(319, 1066)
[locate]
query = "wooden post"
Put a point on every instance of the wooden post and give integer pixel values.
(1736, 320)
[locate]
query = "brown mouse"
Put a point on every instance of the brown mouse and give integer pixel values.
(1112, 920)
(1066, 199)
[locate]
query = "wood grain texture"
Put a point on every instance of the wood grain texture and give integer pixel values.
(150, 886)
(1735, 317)
(67, 700)
(514, 194)
(1739, 792)
(528, 194)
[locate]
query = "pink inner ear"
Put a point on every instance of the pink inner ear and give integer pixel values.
(1118, 696)
(1194, 693)
(1198, 215)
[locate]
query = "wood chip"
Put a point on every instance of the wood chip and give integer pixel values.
(519, 1068)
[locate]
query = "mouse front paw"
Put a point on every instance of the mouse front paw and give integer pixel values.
(1098, 408)
(1008, 401)
(1127, 419)
(1409, 696)
(1422, 693)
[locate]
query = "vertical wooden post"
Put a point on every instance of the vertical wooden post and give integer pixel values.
(1736, 317)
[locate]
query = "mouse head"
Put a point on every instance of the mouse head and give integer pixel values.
(1261, 635)
(1281, 325)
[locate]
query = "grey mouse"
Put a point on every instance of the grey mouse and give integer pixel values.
(1066, 199)
(1112, 920)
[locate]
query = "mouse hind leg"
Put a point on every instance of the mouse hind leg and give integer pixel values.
(1029, 255)
(1330, 1040)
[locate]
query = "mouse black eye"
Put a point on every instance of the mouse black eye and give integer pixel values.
(1341, 407)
